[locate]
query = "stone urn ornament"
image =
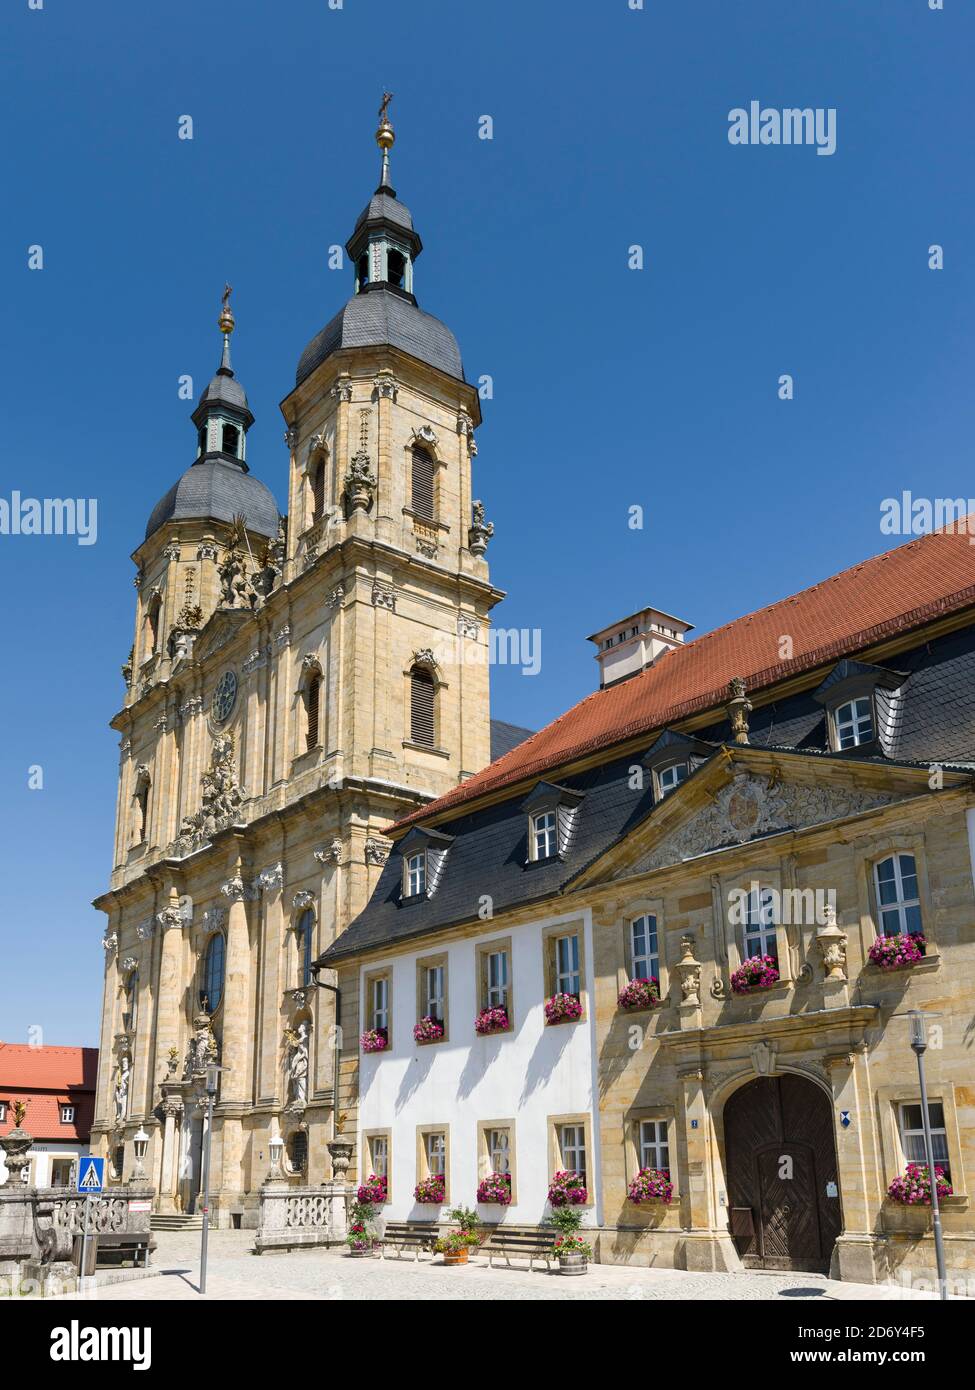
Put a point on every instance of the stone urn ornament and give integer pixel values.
(16, 1145)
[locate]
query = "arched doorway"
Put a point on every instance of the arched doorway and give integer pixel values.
(783, 1194)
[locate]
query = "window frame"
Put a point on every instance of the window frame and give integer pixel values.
(556, 1124)
(549, 833)
(632, 957)
(424, 964)
(633, 1120)
(501, 945)
(211, 1008)
(763, 932)
(423, 1133)
(369, 1138)
(893, 1159)
(67, 1113)
(942, 1129)
(421, 876)
(900, 904)
(573, 926)
(370, 979)
(851, 703)
(660, 772)
(305, 944)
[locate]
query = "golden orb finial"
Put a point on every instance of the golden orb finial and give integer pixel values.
(226, 320)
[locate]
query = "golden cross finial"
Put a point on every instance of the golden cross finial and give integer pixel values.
(387, 98)
(226, 319)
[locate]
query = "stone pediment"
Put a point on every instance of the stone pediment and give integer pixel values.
(752, 806)
(223, 625)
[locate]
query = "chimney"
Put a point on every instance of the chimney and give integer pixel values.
(636, 642)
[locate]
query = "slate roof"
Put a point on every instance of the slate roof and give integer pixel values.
(385, 207)
(217, 490)
(888, 594)
(379, 317)
(504, 737)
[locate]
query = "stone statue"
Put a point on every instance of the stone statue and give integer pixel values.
(297, 1040)
(222, 797)
(203, 1046)
(122, 1086)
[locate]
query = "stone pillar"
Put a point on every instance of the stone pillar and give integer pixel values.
(235, 1053)
(169, 992)
(169, 1166)
(706, 1244)
(856, 1255)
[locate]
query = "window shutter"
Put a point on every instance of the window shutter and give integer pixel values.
(318, 492)
(422, 495)
(422, 692)
(313, 696)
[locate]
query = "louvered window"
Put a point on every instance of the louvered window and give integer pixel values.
(422, 692)
(318, 492)
(313, 700)
(423, 484)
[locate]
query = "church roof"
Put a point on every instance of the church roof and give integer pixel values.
(215, 489)
(380, 317)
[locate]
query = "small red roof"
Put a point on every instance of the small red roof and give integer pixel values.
(45, 1078)
(876, 599)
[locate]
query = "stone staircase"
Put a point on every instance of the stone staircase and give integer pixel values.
(176, 1221)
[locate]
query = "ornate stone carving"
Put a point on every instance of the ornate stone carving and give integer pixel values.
(330, 854)
(282, 637)
(831, 941)
(296, 1042)
(468, 626)
(480, 531)
(423, 656)
(747, 807)
(360, 482)
(309, 662)
(120, 1091)
(191, 706)
(465, 428)
(128, 965)
(738, 709)
(232, 569)
(763, 1057)
(171, 550)
(270, 878)
(145, 929)
(689, 971)
(336, 596)
(302, 899)
(426, 435)
(170, 918)
(127, 669)
(291, 437)
(342, 390)
(110, 943)
(214, 918)
(237, 890)
(222, 798)
(257, 659)
(203, 1048)
(384, 595)
(377, 851)
(426, 548)
(385, 385)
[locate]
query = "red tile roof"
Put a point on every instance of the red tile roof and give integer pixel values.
(878, 598)
(45, 1078)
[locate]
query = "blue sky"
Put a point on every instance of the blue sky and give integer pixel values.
(612, 387)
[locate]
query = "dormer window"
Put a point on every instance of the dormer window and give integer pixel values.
(416, 874)
(854, 722)
(672, 759)
(671, 776)
(552, 813)
(544, 835)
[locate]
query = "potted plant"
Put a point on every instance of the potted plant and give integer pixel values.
(456, 1246)
(563, 1008)
(572, 1251)
(374, 1040)
(495, 1190)
(492, 1021)
(757, 972)
(432, 1191)
(639, 994)
(362, 1239)
(373, 1192)
(650, 1185)
(897, 952)
(428, 1030)
(567, 1190)
(913, 1187)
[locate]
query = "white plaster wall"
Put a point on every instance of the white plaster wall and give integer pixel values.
(527, 1074)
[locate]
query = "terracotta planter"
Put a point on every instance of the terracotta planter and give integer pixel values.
(573, 1263)
(455, 1257)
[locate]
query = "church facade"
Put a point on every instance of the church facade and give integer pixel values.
(295, 684)
(667, 953)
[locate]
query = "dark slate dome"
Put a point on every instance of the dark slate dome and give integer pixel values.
(215, 490)
(385, 207)
(382, 317)
(225, 389)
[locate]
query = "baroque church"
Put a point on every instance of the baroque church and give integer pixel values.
(295, 684)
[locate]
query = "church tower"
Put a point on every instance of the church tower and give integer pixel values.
(295, 684)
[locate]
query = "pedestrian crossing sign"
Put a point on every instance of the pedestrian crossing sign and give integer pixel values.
(91, 1174)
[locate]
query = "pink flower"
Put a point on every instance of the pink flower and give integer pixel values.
(640, 994)
(757, 972)
(567, 1189)
(562, 1008)
(495, 1189)
(651, 1185)
(895, 952)
(492, 1021)
(374, 1040)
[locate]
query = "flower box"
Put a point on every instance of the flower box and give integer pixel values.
(563, 1008)
(567, 1189)
(373, 1190)
(492, 1021)
(757, 972)
(428, 1030)
(495, 1189)
(897, 952)
(913, 1187)
(650, 1185)
(374, 1040)
(431, 1192)
(639, 994)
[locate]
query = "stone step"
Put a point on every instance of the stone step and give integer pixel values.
(176, 1221)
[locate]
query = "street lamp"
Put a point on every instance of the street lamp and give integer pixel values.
(212, 1082)
(276, 1150)
(919, 1043)
(140, 1143)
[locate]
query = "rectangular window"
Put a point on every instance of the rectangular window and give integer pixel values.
(545, 842)
(897, 895)
(379, 1155)
(436, 1152)
(759, 936)
(854, 723)
(654, 1148)
(3, 1111)
(434, 1002)
(670, 777)
(499, 1150)
(572, 1146)
(416, 874)
(380, 1002)
(67, 1114)
(644, 950)
(497, 980)
(912, 1135)
(567, 965)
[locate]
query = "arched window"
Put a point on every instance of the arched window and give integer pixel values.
(152, 618)
(318, 492)
(130, 1014)
(422, 484)
(362, 271)
(201, 440)
(305, 934)
(298, 1151)
(396, 269)
(231, 439)
(313, 701)
(422, 700)
(211, 992)
(142, 788)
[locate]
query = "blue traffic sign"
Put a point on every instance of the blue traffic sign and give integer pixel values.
(91, 1174)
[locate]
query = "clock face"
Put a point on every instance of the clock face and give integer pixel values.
(224, 697)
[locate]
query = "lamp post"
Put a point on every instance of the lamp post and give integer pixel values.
(140, 1143)
(212, 1082)
(919, 1043)
(275, 1146)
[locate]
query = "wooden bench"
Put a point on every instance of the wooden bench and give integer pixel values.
(533, 1242)
(410, 1235)
(118, 1248)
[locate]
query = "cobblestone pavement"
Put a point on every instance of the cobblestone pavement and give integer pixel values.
(235, 1273)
